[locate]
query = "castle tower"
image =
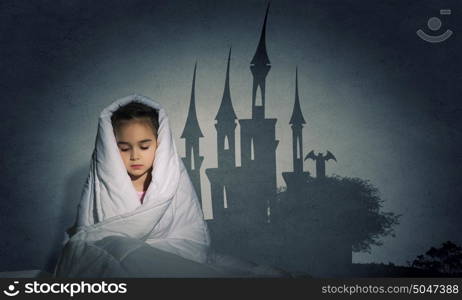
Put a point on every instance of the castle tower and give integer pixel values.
(297, 178)
(260, 66)
(223, 178)
(297, 121)
(191, 134)
(226, 127)
(258, 142)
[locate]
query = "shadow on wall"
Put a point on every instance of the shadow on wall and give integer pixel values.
(68, 215)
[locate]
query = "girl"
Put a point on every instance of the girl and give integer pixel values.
(138, 214)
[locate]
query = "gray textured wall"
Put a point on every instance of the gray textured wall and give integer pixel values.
(385, 102)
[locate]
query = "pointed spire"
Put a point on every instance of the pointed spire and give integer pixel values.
(297, 116)
(191, 128)
(226, 110)
(261, 56)
(227, 90)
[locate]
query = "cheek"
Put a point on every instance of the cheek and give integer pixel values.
(125, 157)
(152, 155)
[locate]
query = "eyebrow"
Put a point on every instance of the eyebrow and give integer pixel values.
(127, 143)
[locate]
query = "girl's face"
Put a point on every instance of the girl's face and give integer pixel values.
(137, 146)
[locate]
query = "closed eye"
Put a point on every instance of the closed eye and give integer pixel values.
(143, 148)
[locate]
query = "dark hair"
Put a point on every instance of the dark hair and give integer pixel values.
(134, 111)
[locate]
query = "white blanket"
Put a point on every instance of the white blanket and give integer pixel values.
(170, 218)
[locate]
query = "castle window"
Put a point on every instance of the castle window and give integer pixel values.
(226, 142)
(225, 197)
(297, 141)
(192, 159)
(258, 97)
(252, 150)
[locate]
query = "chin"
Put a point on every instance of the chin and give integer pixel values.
(137, 173)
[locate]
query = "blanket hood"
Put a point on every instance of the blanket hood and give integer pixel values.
(170, 217)
(108, 191)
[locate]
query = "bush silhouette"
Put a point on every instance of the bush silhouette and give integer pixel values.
(446, 259)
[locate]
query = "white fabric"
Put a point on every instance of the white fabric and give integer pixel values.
(170, 217)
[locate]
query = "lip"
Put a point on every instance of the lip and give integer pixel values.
(136, 166)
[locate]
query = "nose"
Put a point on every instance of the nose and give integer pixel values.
(134, 155)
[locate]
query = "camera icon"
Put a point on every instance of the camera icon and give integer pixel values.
(434, 24)
(10, 292)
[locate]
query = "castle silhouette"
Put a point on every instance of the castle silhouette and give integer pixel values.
(244, 197)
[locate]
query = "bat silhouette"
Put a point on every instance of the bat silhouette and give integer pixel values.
(320, 162)
(329, 155)
(313, 156)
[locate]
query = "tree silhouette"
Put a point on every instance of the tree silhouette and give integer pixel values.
(337, 207)
(446, 259)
